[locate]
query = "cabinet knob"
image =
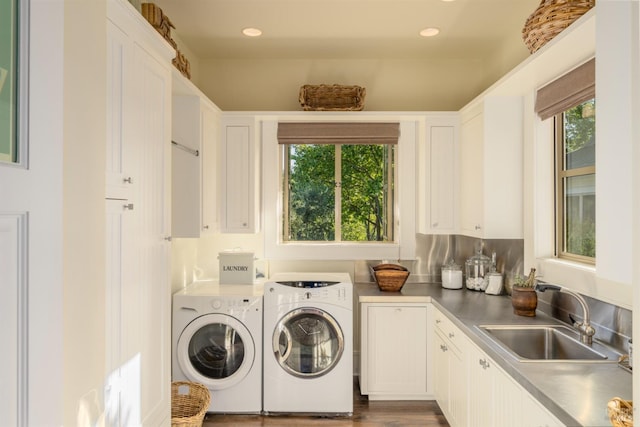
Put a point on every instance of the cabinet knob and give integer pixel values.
(128, 180)
(434, 225)
(478, 227)
(128, 206)
(451, 334)
(438, 321)
(443, 347)
(205, 227)
(168, 238)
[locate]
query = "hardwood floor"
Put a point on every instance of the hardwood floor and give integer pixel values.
(365, 413)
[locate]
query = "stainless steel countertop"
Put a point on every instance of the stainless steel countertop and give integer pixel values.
(576, 393)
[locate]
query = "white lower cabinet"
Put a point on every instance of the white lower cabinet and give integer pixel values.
(472, 390)
(449, 370)
(394, 351)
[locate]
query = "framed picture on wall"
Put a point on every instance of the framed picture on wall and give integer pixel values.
(9, 80)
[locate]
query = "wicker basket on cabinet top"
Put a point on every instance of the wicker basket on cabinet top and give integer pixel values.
(550, 18)
(332, 98)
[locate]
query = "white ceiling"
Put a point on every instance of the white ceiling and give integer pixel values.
(353, 29)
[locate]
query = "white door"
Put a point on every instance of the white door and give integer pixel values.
(31, 285)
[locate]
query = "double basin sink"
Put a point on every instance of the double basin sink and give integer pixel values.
(547, 343)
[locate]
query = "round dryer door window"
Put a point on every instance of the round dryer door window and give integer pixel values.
(308, 342)
(216, 350)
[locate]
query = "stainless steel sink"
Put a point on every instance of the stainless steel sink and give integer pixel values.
(551, 343)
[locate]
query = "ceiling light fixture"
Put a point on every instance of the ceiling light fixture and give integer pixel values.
(429, 32)
(251, 32)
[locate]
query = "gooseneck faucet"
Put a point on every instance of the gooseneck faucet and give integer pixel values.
(586, 330)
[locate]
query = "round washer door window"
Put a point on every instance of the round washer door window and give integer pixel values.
(216, 350)
(308, 342)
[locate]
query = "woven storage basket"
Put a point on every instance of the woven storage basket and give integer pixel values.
(620, 412)
(189, 403)
(550, 18)
(390, 277)
(332, 98)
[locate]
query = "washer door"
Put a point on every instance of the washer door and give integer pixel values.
(308, 342)
(216, 350)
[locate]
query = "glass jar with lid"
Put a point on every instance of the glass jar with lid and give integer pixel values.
(476, 268)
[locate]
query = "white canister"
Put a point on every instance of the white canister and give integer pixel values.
(494, 283)
(451, 275)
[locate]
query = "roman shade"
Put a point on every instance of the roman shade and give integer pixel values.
(566, 92)
(338, 133)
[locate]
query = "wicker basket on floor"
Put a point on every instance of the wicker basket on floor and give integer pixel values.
(620, 412)
(332, 98)
(189, 403)
(550, 18)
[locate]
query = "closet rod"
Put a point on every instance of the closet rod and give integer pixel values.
(185, 148)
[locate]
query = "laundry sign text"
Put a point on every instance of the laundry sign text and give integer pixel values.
(237, 267)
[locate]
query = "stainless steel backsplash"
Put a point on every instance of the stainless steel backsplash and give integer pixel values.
(612, 323)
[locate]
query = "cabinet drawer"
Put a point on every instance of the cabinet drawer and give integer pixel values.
(448, 330)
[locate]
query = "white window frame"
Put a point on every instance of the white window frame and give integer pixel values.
(405, 209)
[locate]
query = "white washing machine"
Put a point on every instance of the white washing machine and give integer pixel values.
(217, 342)
(308, 344)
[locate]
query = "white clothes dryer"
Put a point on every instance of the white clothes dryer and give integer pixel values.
(308, 344)
(217, 342)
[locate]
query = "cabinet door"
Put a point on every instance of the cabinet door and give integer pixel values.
(472, 176)
(120, 163)
(537, 415)
(210, 170)
(185, 166)
(450, 380)
(148, 345)
(442, 179)
(458, 392)
(481, 394)
(395, 356)
(239, 172)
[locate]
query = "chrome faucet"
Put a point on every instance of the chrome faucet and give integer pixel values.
(586, 330)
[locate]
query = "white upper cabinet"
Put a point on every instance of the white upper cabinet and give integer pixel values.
(439, 175)
(209, 130)
(185, 166)
(240, 167)
(195, 170)
(491, 169)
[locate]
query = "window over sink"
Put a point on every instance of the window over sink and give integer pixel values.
(570, 100)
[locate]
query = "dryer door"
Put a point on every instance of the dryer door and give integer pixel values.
(216, 350)
(308, 342)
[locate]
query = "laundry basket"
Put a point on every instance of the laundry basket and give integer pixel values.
(620, 412)
(189, 403)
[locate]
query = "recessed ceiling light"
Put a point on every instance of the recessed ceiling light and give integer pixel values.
(429, 32)
(251, 32)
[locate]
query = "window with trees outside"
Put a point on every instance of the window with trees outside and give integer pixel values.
(338, 192)
(576, 183)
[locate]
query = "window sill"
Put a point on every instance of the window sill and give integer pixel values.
(571, 274)
(333, 251)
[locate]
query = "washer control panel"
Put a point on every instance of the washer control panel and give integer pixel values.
(307, 284)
